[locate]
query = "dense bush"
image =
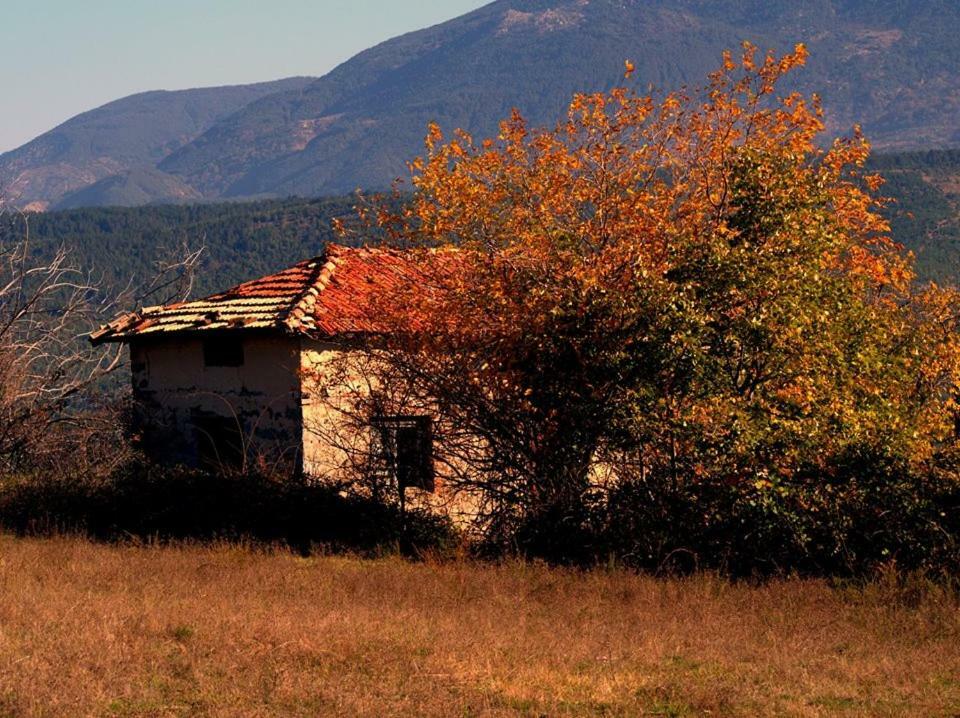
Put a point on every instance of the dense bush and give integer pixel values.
(870, 513)
(872, 510)
(151, 503)
(703, 294)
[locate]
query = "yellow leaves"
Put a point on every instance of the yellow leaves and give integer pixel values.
(796, 59)
(874, 182)
(748, 58)
(670, 104)
(630, 69)
(513, 130)
(434, 135)
(728, 65)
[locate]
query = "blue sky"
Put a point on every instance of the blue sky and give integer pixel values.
(62, 57)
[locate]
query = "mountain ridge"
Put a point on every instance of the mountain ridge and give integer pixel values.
(133, 132)
(890, 65)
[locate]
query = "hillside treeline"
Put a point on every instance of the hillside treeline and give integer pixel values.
(247, 239)
(924, 212)
(239, 240)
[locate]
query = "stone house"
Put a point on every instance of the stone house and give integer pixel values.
(237, 376)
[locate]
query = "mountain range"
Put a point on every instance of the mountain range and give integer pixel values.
(135, 132)
(891, 65)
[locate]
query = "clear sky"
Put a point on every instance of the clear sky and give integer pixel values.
(62, 57)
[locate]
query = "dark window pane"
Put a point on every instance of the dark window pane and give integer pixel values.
(223, 351)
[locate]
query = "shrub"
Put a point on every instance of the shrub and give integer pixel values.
(149, 502)
(871, 510)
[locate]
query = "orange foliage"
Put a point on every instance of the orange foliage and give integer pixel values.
(692, 277)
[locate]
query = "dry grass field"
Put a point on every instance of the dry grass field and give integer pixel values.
(95, 630)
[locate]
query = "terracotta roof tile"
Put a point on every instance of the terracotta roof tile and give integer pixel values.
(323, 296)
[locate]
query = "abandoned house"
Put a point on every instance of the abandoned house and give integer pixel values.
(222, 380)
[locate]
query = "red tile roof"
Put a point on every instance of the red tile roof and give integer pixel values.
(323, 296)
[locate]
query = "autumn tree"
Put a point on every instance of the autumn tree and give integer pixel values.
(690, 286)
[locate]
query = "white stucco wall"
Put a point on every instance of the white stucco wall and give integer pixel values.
(293, 399)
(330, 385)
(335, 435)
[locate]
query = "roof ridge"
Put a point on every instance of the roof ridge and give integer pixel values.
(299, 312)
(229, 291)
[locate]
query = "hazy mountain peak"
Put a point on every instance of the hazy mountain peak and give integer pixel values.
(132, 132)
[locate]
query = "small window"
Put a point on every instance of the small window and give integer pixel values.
(404, 447)
(223, 351)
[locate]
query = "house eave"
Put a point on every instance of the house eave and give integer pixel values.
(103, 336)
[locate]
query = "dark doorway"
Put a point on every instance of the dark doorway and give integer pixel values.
(219, 442)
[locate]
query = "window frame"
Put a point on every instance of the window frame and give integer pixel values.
(418, 473)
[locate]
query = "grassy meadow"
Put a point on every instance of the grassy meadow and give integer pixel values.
(98, 630)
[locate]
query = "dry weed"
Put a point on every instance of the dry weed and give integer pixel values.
(96, 630)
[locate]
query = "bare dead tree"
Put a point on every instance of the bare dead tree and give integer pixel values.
(365, 381)
(174, 276)
(48, 370)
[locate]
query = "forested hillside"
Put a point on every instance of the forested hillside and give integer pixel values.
(926, 213)
(240, 240)
(246, 239)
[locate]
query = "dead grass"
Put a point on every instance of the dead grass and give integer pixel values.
(96, 630)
